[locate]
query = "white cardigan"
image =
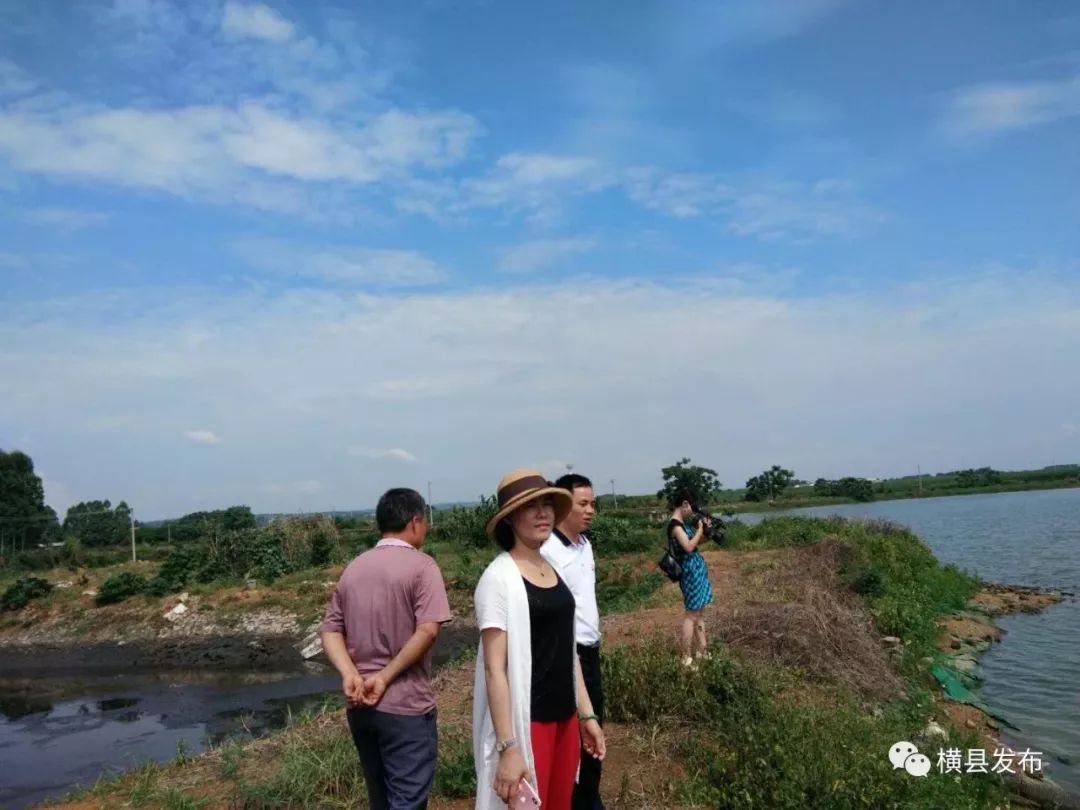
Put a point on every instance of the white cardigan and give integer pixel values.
(501, 602)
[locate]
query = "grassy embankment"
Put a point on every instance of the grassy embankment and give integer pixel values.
(797, 709)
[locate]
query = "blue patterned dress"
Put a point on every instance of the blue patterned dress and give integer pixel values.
(694, 583)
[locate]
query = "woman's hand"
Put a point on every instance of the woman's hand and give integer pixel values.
(511, 770)
(592, 738)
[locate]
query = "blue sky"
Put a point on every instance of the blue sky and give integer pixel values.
(289, 254)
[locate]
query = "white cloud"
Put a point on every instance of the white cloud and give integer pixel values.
(341, 263)
(224, 153)
(14, 81)
(482, 381)
(536, 184)
(679, 195)
(799, 212)
(539, 253)
(1070, 429)
(255, 21)
(993, 107)
(201, 437)
(70, 219)
(394, 454)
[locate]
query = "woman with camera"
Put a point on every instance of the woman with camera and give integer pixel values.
(694, 582)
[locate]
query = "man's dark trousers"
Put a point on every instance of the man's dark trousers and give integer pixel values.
(397, 753)
(587, 790)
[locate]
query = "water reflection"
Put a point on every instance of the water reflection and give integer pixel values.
(52, 741)
(60, 733)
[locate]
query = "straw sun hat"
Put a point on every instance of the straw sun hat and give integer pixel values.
(521, 486)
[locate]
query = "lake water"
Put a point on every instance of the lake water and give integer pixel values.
(59, 733)
(1032, 678)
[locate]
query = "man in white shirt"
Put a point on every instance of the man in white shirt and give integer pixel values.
(570, 553)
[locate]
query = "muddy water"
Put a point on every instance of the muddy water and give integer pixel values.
(64, 725)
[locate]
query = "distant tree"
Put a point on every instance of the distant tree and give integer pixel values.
(769, 485)
(697, 483)
(97, 523)
(199, 524)
(982, 477)
(22, 500)
(237, 517)
(858, 489)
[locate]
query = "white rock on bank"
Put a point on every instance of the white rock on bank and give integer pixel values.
(934, 730)
(176, 612)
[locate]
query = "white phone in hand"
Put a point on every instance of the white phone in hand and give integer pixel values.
(525, 796)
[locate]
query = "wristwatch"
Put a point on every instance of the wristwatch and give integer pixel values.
(502, 746)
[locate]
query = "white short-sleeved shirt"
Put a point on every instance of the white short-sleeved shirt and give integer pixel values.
(577, 566)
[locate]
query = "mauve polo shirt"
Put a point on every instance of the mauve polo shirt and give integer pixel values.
(380, 599)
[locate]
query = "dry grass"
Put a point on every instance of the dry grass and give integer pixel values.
(801, 616)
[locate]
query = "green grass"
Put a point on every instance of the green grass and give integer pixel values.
(622, 586)
(744, 747)
(311, 771)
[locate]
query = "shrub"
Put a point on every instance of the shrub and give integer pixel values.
(179, 568)
(121, 586)
(21, 592)
(868, 581)
(621, 586)
(323, 544)
(622, 535)
(465, 524)
(455, 770)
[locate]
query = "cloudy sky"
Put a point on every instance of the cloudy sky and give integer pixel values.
(290, 254)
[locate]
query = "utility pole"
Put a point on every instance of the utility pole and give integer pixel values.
(614, 497)
(131, 518)
(430, 508)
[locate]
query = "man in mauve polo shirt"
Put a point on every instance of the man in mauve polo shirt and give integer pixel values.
(570, 553)
(379, 626)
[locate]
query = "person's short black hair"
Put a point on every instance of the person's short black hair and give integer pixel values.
(397, 507)
(572, 481)
(504, 535)
(678, 498)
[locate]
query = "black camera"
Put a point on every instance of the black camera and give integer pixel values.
(715, 531)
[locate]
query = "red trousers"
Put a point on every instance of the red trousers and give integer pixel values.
(556, 750)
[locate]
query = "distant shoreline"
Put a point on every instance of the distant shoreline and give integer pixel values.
(807, 503)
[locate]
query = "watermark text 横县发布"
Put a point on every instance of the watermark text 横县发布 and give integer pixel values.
(905, 756)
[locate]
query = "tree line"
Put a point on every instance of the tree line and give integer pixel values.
(26, 521)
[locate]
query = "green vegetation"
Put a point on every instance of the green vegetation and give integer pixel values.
(97, 523)
(699, 484)
(465, 524)
(121, 586)
(21, 592)
(25, 520)
(745, 746)
(770, 485)
(857, 489)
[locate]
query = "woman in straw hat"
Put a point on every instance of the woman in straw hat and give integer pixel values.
(531, 712)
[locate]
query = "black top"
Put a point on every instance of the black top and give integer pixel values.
(551, 622)
(676, 546)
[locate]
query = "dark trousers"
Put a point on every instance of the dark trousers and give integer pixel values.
(397, 753)
(587, 790)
